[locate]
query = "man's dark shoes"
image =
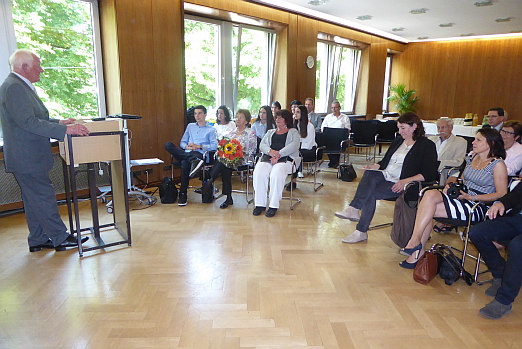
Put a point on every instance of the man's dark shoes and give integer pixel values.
(258, 210)
(71, 241)
(290, 186)
(227, 202)
(495, 310)
(36, 248)
(271, 212)
(182, 199)
(195, 166)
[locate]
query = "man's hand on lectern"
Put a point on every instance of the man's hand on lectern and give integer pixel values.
(77, 129)
(68, 121)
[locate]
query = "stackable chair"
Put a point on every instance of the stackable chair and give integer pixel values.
(364, 135)
(386, 133)
(335, 141)
(311, 165)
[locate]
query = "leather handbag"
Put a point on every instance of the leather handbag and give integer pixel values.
(347, 173)
(427, 267)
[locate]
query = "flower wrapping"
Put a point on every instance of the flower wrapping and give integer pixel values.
(230, 152)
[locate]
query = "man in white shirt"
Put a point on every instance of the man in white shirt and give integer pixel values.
(313, 117)
(335, 120)
(510, 133)
(450, 148)
(496, 118)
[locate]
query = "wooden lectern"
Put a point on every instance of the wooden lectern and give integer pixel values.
(105, 143)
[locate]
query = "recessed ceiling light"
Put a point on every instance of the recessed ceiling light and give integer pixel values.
(446, 25)
(418, 11)
(468, 34)
(317, 2)
(483, 3)
(423, 37)
(503, 19)
(399, 29)
(365, 18)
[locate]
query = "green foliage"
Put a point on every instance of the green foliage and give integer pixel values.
(403, 98)
(60, 33)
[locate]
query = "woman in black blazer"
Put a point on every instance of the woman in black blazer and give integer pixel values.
(411, 157)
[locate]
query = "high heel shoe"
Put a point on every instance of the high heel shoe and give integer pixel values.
(408, 265)
(409, 251)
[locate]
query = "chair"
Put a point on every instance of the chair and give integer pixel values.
(208, 156)
(386, 133)
(334, 141)
(311, 164)
(246, 171)
(364, 135)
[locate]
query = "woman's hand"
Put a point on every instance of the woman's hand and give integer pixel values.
(465, 196)
(274, 153)
(398, 187)
(371, 167)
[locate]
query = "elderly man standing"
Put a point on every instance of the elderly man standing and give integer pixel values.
(28, 155)
(335, 120)
(451, 149)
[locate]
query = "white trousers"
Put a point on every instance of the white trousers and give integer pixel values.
(276, 174)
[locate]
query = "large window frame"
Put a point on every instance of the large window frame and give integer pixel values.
(387, 79)
(8, 44)
(228, 67)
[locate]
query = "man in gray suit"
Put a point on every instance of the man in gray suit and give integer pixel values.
(26, 130)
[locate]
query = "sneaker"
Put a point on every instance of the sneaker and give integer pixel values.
(300, 174)
(182, 199)
(350, 213)
(495, 310)
(491, 291)
(195, 166)
(355, 237)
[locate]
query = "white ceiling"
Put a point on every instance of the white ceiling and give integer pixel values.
(393, 18)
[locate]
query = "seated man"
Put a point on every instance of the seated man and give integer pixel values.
(450, 148)
(511, 132)
(506, 274)
(496, 118)
(199, 137)
(313, 117)
(335, 120)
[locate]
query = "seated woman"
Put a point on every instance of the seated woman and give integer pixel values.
(411, 157)
(308, 145)
(264, 122)
(246, 137)
(278, 147)
(485, 176)
(276, 106)
(223, 123)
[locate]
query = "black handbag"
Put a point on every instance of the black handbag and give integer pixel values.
(168, 191)
(207, 192)
(347, 173)
(450, 266)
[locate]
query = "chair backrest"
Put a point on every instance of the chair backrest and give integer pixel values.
(387, 130)
(364, 132)
(332, 138)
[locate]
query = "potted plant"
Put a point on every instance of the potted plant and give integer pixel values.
(403, 98)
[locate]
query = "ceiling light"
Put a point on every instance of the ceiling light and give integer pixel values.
(317, 2)
(399, 29)
(418, 11)
(446, 25)
(423, 37)
(483, 3)
(365, 18)
(503, 19)
(468, 34)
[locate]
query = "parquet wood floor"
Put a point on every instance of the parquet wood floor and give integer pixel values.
(202, 277)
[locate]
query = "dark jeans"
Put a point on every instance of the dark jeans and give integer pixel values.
(501, 229)
(226, 177)
(185, 159)
(372, 187)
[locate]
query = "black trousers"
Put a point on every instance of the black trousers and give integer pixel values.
(226, 176)
(185, 159)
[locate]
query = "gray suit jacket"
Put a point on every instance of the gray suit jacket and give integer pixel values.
(26, 128)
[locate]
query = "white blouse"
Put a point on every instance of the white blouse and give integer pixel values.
(309, 141)
(392, 172)
(222, 130)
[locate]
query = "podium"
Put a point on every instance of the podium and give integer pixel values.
(105, 143)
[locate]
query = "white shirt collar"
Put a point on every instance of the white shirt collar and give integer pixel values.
(26, 81)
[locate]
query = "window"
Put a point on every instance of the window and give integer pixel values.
(337, 72)
(387, 77)
(227, 63)
(65, 35)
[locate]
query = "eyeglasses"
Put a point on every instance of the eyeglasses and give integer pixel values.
(507, 132)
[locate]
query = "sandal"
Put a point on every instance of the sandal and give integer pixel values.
(443, 230)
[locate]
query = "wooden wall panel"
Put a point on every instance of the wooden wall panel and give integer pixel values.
(453, 78)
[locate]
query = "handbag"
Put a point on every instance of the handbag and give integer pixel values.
(450, 266)
(168, 191)
(207, 192)
(346, 173)
(427, 267)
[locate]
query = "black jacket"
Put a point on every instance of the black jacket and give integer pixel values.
(512, 200)
(421, 159)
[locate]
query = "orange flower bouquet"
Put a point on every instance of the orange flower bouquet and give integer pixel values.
(230, 152)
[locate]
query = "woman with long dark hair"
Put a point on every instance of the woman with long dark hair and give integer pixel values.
(264, 122)
(223, 123)
(485, 177)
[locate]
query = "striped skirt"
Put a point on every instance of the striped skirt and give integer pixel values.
(461, 209)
